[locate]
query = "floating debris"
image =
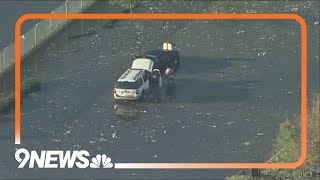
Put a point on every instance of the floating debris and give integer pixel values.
(246, 143)
(102, 139)
(294, 10)
(114, 134)
(231, 122)
(260, 134)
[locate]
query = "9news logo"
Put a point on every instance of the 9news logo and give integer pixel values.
(61, 159)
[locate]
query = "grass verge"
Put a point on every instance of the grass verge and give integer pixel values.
(287, 149)
(27, 87)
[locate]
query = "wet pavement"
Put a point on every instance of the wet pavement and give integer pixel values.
(237, 81)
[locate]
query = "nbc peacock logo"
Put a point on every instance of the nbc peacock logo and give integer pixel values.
(101, 161)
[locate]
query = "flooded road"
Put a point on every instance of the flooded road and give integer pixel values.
(236, 83)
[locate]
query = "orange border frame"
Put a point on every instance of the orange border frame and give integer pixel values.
(295, 17)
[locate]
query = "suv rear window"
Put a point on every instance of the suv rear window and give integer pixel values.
(129, 85)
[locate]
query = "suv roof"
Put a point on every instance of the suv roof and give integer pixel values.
(131, 75)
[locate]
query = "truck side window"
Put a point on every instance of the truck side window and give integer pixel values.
(145, 76)
(139, 82)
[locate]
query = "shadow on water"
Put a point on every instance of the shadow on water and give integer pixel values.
(192, 64)
(202, 91)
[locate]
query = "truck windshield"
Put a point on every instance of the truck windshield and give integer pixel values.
(129, 85)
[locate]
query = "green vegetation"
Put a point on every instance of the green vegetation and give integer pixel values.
(287, 149)
(28, 86)
(127, 5)
(109, 23)
(6, 102)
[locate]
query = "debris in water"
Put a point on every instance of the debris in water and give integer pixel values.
(260, 134)
(240, 32)
(231, 122)
(114, 134)
(155, 156)
(246, 143)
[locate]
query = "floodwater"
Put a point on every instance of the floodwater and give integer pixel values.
(237, 82)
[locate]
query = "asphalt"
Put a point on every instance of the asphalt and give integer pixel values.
(11, 10)
(237, 82)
